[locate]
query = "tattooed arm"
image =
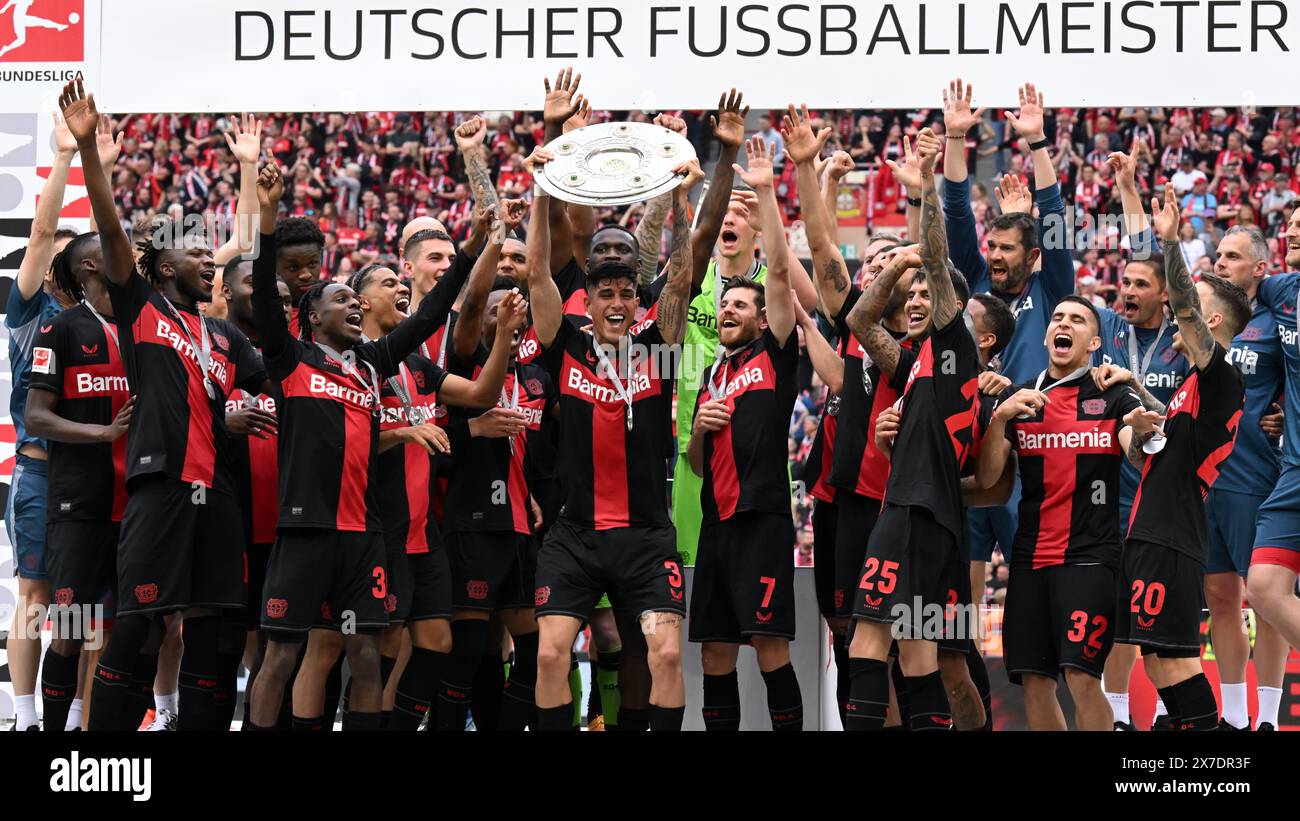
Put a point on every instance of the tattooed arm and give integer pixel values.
(1198, 340)
(864, 319)
(934, 239)
(648, 233)
(671, 316)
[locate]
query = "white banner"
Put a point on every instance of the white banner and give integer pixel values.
(353, 55)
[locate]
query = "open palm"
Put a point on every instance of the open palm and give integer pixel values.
(759, 174)
(79, 111)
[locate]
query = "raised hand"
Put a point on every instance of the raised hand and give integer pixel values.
(245, 139)
(560, 104)
(759, 154)
(692, 171)
(513, 212)
(729, 123)
(64, 142)
(958, 118)
(746, 205)
(1166, 218)
(581, 118)
(270, 186)
(1124, 166)
(1012, 195)
(927, 147)
(109, 149)
(79, 112)
(1029, 122)
(908, 172)
(470, 133)
(671, 123)
(534, 162)
(841, 163)
(801, 144)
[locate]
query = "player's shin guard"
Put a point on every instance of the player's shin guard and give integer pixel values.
(58, 688)
(929, 703)
(555, 719)
(868, 695)
(416, 689)
(200, 674)
(784, 701)
(666, 719)
(519, 702)
(112, 701)
(840, 649)
(1197, 709)
(468, 639)
(607, 681)
(980, 675)
(489, 685)
(721, 709)
(1170, 700)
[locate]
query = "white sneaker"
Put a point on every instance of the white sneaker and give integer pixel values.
(164, 719)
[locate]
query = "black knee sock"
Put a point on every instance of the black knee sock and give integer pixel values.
(900, 694)
(593, 692)
(721, 709)
(112, 701)
(1197, 709)
(929, 703)
(230, 653)
(58, 688)
(468, 640)
(868, 695)
(199, 674)
(606, 682)
(980, 675)
(784, 701)
(145, 671)
(356, 722)
(519, 700)
(632, 720)
(333, 692)
(489, 684)
(314, 725)
(1170, 698)
(666, 719)
(387, 664)
(840, 649)
(416, 689)
(555, 719)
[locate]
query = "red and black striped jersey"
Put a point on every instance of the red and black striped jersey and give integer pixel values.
(329, 410)
(77, 358)
(178, 429)
(857, 465)
(1201, 427)
(939, 405)
(616, 475)
(255, 464)
(407, 489)
(746, 464)
(1069, 455)
(487, 488)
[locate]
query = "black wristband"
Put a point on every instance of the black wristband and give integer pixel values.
(1043, 143)
(915, 202)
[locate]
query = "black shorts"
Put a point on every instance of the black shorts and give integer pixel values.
(911, 574)
(857, 518)
(744, 579)
(1059, 617)
(638, 566)
(176, 552)
(400, 584)
(81, 562)
(1160, 600)
(823, 527)
(317, 574)
(426, 588)
(491, 571)
(259, 555)
(960, 620)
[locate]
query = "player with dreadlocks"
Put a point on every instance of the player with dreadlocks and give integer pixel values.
(180, 548)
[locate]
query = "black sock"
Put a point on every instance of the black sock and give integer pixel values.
(980, 675)
(253, 728)
(144, 672)
(230, 653)
(593, 692)
(333, 691)
(666, 719)
(721, 709)
(58, 688)
(313, 725)
(387, 664)
(416, 689)
(1197, 709)
(784, 701)
(357, 722)
(489, 684)
(1170, 699)
(605, 683)
(868, 695)
(929, 703)
(900, 694)
(468, 638)
(555, 719)
(632, 720)
(519, 700)
(199, 674)
(840, 649)
(112, 701)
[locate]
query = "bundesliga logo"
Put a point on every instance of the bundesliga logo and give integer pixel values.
(43, 31)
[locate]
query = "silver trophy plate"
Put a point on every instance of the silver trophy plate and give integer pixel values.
(614, 163)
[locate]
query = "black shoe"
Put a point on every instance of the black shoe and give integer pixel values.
(1224, 725)
(1124, 726)
(1265, 727)
(1162, 723)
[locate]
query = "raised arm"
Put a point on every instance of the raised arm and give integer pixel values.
(40, 247)
(864, 320)
(268, 311)
(649, 232)
(245, 143)
(963, 239)
(562, 102)
(485, 390)
(83, 119)
(1198, 341)
(469, 325)
(776, 287)
(729, 127)
(828, 364)
(1057, 271)
(934, 240)
(830, 274)
(908, 172)
(469, 140)
(1136, 224)
(548, 307)
(109, 150)
(839, 164)
(671, 313)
